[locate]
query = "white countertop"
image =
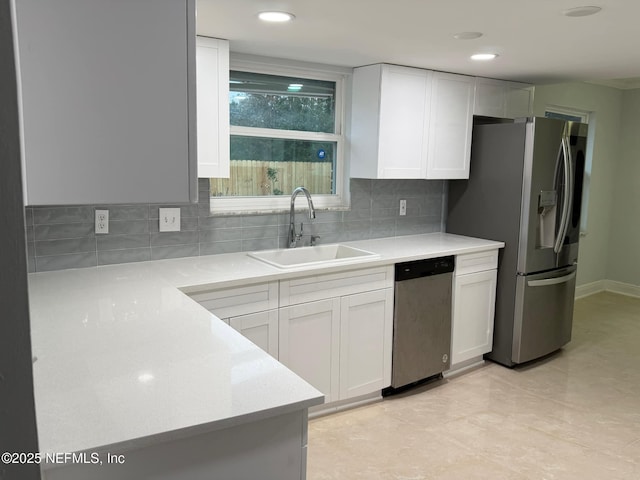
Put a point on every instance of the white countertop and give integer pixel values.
(124, 358)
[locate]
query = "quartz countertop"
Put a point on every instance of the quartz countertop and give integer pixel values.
(123, 358)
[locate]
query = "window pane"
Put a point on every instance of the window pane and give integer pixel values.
(284, 103)
(275, 166)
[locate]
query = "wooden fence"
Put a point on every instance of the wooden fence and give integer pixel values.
(250, 178)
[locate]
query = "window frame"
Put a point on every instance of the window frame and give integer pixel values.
(279, 203)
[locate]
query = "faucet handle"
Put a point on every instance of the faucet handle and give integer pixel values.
(314, 239)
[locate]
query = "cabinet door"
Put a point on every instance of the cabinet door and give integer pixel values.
(404, 121)
(519, 100)
(212, 66)
(261, 328)
(490, 99)
(450, 126)
(108, 104)
(366, 331)
(309, 343)
(473, 312)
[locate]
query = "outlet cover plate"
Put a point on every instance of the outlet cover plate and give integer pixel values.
(102, 221)
(169, 220)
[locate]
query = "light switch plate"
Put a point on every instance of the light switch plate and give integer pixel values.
(403, 207)
(169, 219)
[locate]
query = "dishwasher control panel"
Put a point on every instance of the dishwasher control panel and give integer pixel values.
(424, 268)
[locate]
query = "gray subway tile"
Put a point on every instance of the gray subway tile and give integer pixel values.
(269, 231)
(29, 233)
(129, 255)
(78, 214)
(128, 227)
(122, 242)
(220, 235)
(186, 224)
(383, 228)
(220, 222)
(260, 220)
(173, 238)
(65, 246)
(126, 212)
(357, 214)
(175, 251)
(220, 247)
(64, 230)
(259, 244)
(28, 215)
(62, 262)
(31, 264)
(327, 217)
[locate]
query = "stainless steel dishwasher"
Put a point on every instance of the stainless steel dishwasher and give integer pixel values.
(421, 320)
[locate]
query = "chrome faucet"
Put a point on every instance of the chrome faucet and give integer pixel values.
(293, 236)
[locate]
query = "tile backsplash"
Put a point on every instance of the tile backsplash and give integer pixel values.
(63, 237)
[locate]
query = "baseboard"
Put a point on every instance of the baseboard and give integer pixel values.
(590, 288)
(622, 288)
(607, 286)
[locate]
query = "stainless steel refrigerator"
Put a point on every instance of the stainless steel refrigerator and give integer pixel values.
(525, 189)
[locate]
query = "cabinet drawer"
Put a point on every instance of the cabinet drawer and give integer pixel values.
(234, 301)
(319, 287)
(476, 262)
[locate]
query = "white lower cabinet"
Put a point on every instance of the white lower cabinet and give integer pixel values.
(261, 328)
(342, 345)
(366, 330)
(473, 314)
(310, 343)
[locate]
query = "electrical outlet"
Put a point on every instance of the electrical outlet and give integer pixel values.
(169, 219)
(403, 207)
(102, 221)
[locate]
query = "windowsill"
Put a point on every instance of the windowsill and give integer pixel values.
(274, 211)
(221, 206)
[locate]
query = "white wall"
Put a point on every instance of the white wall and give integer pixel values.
(607, 104)
(624, 241)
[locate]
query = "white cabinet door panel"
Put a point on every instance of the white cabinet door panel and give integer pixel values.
(108, 101)
(212, 67)
(309, 343)
(404, 122)
(261, 328)
(366, 331)
(450, 126)
(473, 314)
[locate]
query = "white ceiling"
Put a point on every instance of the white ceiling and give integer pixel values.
(536, 43)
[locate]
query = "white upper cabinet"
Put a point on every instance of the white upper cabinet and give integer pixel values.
(410, 123)
(450, 126)
(390, 120)
(497, 98)
(108, 101)
(212, 64)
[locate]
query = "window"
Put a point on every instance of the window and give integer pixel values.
(286, 131)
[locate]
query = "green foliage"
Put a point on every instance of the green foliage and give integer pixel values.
(283, 112)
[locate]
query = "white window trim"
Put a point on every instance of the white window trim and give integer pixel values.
(279, 203)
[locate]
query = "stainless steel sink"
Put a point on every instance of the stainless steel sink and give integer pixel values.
(335, 254)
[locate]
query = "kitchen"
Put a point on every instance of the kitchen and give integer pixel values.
(614, 109)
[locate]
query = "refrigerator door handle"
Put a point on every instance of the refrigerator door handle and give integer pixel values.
(565, 201)
(551, 281)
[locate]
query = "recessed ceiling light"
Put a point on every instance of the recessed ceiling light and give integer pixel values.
(484, 56)
(276, 16)
(581, 11)
(467, 35)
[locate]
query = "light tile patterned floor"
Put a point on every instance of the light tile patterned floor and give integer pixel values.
(573, 416)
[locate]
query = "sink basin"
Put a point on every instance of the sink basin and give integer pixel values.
(335, 254)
